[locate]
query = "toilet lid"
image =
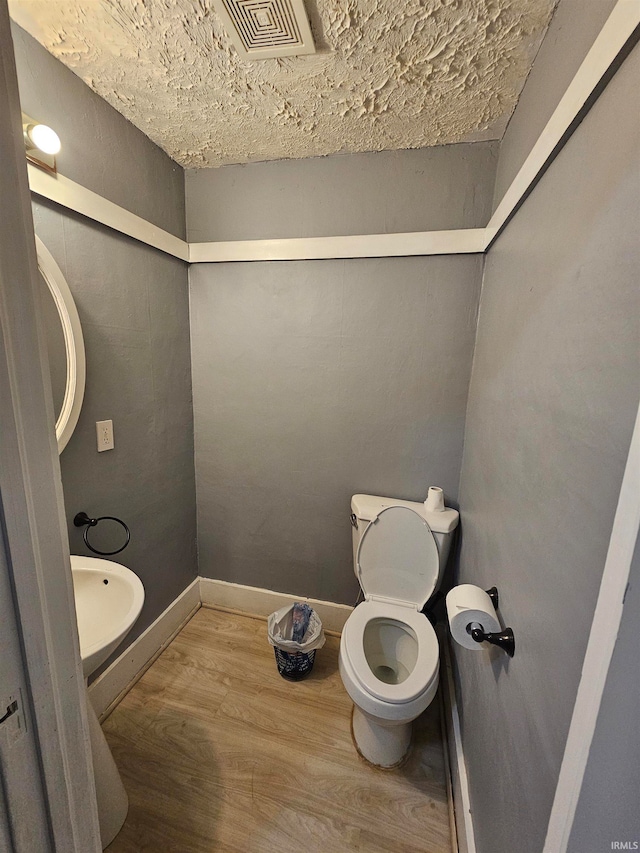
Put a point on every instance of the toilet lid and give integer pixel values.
(398, 557)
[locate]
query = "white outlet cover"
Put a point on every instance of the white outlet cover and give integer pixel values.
(104, 435)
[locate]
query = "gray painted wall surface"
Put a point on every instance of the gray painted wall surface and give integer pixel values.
(573, 29)
(552, 401)
(100, 149)
(314, 381)
(391, 191)
(134, 310)
(609, 805)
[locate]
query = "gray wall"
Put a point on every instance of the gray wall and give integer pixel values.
(608, 805)
(552, 401)
(134, 310)
(573, 29)
(100, 149)
(392, 191)
(314, 381)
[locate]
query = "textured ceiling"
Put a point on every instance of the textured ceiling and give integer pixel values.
(389, 74)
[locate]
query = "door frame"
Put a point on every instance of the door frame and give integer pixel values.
(35, 534)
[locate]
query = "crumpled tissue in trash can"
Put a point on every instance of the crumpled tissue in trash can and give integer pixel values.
(301, 616)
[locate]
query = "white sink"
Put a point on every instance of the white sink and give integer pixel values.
(109, 598)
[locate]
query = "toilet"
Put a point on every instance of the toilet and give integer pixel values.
(389, 655)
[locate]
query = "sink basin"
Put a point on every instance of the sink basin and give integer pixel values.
(109, 598)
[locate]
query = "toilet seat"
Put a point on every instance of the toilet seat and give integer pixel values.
(427, 664)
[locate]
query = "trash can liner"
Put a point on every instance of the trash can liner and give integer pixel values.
(281, 626)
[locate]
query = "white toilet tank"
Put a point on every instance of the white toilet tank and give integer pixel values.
(364, 508)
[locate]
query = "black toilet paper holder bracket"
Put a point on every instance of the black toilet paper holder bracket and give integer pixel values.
(505, 639)
(493, 595)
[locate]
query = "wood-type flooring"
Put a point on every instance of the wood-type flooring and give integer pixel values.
(219, 754)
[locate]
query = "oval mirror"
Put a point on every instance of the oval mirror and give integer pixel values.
(65, 345)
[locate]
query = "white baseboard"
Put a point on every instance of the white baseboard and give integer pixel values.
(262, 602)
(458, 767)
(107, 690)
(119, 677)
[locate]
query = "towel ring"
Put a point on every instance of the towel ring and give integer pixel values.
(83, 520)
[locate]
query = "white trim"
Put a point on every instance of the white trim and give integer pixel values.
(446, 751)
(122, 674)
(602, 640)
(455, 242)
(75, 197)
(73, 344)
(459, 779)
(613, 37)
(255, 601)
(34, 536)
(618, 29)
(111, 685)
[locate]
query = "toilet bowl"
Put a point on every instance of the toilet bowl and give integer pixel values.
(389, 655)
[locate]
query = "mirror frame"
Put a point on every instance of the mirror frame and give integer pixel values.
(73, 344)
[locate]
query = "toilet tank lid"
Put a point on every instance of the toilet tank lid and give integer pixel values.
(367, 507)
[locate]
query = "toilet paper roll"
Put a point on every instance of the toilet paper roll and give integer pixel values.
(467, 604)
(435, 500)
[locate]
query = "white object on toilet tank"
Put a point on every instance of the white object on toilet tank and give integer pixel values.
(435, 500)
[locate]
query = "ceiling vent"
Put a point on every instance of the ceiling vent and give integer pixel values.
(265, 29)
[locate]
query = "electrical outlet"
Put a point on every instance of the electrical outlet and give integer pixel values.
(104, 433)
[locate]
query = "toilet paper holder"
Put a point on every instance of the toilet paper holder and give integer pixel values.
(503, 639)
(493, 595)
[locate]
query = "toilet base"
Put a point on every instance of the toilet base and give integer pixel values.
(384, 746)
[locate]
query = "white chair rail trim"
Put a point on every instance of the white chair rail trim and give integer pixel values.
(613, 39)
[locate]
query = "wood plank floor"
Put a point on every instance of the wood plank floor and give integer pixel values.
(219, 754)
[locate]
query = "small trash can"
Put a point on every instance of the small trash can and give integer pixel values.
(295, 657)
